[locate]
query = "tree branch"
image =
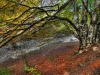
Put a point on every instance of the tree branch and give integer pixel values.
(69, 21)
(87, 9)
(32, 24)
(5, 41)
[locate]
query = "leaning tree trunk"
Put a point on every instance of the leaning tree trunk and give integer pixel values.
(83, 28)
(76, 22)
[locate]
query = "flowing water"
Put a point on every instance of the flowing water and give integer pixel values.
(23, 47)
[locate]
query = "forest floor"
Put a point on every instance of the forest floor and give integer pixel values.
(58, 60)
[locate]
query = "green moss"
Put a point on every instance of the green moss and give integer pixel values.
(4, 71)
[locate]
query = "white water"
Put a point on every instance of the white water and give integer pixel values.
(7, 52)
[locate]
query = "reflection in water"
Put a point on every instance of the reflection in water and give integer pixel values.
(12, 51)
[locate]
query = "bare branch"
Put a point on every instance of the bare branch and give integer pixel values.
(5, 5)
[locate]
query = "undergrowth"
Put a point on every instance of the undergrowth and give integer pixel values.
(28, 69)
(4, 71)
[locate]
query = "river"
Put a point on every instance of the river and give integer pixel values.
(23, 47)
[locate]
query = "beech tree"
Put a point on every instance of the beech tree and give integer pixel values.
(21, 17)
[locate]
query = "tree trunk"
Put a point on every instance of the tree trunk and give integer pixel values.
(88, 34)
(83, 28)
